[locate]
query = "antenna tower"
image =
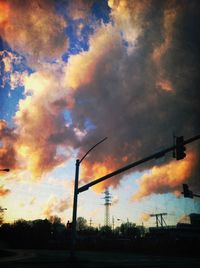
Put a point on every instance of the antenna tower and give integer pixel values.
(107, 205)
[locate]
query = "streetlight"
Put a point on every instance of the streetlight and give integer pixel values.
(74, 213)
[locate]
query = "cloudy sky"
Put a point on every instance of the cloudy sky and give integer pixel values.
(74, 72)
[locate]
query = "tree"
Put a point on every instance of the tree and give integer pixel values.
(129, 230)
(81, 224)
(1, 215)
(106, 231)
(55, 219)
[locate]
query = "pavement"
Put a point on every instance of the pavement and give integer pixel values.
(60, 259)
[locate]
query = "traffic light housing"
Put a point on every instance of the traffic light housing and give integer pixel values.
(180, 148)
(186, 191)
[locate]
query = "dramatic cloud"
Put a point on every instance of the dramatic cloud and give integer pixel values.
(80, 69)
(137, 83)
(7, 147)
(129, 18)
(165, 178)
(40, 121)
(55, 205)
(126, 100)
(79, 9)
(33, 28)
(49, 95)
(91, 171)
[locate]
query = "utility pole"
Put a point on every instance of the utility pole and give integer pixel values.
(159, 219)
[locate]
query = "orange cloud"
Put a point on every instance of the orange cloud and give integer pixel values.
(145, 216)
(33, 28)
(4, 191)
(48, 94)
(165, 85)
(39, 123)
(79, 9)
(81, 68)
(4, 12)
(91, 171)
(129, 18)
(166, 178)
(169, 18)
(56, 205)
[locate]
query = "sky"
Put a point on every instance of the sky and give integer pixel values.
(74, 72)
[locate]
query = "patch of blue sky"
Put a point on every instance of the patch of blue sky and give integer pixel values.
(101, 11)
(67, 116)
(78, 38)
(9, 100)
(66, 170)
(155, 203)
(88, 125)
(19, 63)
(124, 42)
(3, 44)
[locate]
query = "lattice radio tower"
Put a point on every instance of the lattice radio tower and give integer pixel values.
(107, 205)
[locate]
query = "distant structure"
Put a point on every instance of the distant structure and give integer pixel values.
(113, 223)
(107, 204)
(160, 222)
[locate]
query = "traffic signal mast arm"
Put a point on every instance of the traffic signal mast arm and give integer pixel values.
(187, 192)
(153, 156)
(196, 195)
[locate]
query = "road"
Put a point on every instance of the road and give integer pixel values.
(60, 259)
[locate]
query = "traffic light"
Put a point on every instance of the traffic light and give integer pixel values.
(180, 148)
(186, 192)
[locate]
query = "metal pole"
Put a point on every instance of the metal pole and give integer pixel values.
(73, 238)
(118, 171)
(74, 213)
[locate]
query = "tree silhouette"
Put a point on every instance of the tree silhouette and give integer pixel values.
(81, 224)
(1, 215)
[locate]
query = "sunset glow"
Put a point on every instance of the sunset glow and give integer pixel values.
(73, 72)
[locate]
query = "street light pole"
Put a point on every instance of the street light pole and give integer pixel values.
(74, 213)
(75, 202)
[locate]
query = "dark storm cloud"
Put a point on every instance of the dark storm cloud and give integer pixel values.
(140, 99)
